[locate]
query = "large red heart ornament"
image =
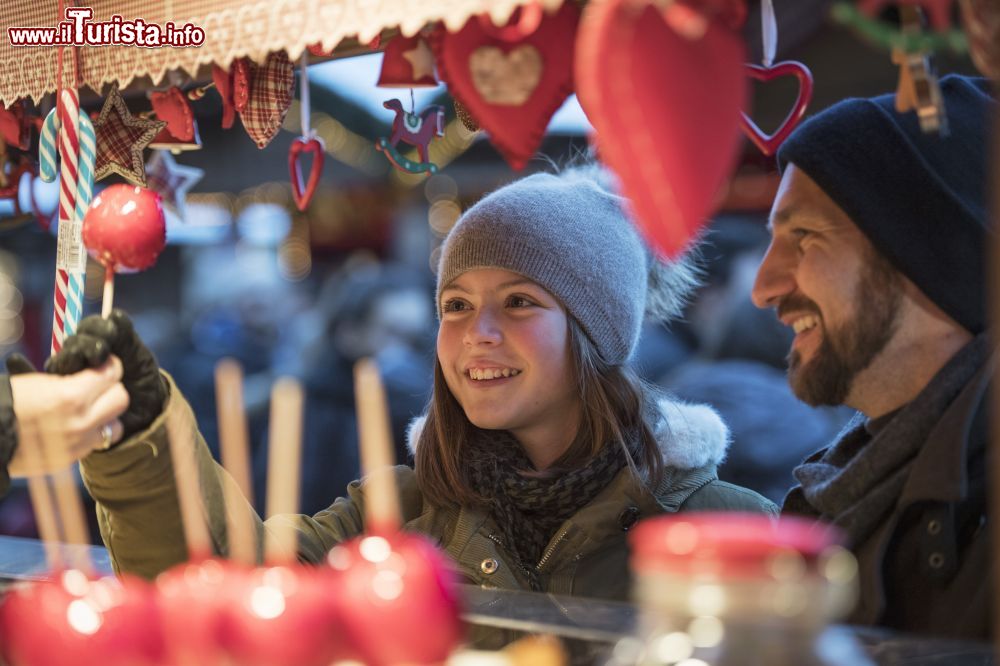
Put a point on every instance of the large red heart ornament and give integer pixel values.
(511, 87)
(299, 146)
(769, 143)
(665, 105)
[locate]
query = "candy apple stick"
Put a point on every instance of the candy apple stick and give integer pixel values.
(107, 303)
(70, 511)
(382, 513)
(284, 460)
(45, 516)
(235, 458)
(182, 453)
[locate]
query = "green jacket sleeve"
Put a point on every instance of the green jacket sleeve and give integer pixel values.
(139, 515)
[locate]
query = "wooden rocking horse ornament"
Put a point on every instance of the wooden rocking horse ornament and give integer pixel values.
(413, 129)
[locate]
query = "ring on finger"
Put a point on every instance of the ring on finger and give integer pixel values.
(106, 434)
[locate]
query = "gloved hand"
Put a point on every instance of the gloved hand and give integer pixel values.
(95, 336)
(18, 364)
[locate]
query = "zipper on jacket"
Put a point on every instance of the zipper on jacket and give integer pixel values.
(498, 541)
(559, 538)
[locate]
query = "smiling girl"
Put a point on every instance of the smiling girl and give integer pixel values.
(540, 447)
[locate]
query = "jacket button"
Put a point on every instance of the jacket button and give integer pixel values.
(936, 560)
(628, 517)
(489, 566)
(934, 527)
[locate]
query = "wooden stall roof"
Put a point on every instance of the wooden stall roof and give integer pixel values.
(233, 29)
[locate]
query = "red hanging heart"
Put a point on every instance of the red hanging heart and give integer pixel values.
(769, 143)
(224, 84)
(665, 105)
(511, 88)
(172, 106)
(15, 127)
(242, 70)
(299, 146)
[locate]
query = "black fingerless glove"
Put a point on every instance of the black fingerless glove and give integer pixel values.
(95, 336)
(16, 364)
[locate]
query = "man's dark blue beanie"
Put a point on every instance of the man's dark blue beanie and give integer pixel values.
(921, 199)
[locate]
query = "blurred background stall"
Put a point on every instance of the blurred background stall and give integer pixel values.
(248, 275)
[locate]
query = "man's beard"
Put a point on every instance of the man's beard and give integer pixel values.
(847, 350)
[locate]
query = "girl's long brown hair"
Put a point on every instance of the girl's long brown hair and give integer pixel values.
(614, 414)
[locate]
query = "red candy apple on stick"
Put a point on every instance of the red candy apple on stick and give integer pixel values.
(75, 618)
(389, 578)
(194, 595)
(285, 600)
(124, 229)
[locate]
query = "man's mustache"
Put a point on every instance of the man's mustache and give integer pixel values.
(796, 303)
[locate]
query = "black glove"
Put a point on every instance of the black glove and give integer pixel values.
(95, 339)
(18, 364)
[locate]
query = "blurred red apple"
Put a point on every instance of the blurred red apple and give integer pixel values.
(398, 597)
(77, 620)
(286, 615)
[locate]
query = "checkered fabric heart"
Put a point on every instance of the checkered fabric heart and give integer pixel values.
(271, 90)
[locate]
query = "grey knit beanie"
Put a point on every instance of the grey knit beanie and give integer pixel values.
(569, 234)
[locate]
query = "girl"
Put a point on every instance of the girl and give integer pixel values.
(540, 448)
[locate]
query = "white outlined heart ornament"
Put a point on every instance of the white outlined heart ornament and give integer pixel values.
(663, 86)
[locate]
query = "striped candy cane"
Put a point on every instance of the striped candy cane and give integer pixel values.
(48, 148)
(71, 259)
(84, 194)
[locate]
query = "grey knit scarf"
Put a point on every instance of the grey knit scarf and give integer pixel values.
(856, 482)
(528, 510)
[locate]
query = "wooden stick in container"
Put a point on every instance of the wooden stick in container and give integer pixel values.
(235, 451)
(71, 514)
(193, 515)
(284, 461)
(382, 512)
(44, 507)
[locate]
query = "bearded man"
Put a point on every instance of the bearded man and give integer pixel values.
(878, 262)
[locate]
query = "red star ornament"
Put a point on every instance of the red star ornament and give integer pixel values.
(121, 138)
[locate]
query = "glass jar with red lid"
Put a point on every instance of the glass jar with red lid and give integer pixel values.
(719, 589)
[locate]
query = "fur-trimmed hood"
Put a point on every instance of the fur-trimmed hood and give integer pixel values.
(690, 436)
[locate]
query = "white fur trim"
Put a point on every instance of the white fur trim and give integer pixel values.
(690, 436)
(413, 433)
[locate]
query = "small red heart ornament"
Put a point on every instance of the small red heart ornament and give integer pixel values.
(769, 143)
(299, 146)
(511, 87)
(665, 105)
